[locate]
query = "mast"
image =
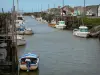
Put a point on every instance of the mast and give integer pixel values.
(84, 8)
(41, 7)
(63, 3)
(17, 6)
(62, 9)
(48, 7)
(32, 10)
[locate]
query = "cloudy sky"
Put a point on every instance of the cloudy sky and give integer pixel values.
(35, 5)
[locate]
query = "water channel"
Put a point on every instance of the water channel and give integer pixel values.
(60, 52)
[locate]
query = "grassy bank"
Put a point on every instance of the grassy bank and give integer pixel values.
(71, 22)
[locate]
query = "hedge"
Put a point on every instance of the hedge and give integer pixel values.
(91, 21)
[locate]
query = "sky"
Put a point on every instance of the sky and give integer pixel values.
(35, 5)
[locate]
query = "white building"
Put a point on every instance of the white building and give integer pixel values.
(99, 10)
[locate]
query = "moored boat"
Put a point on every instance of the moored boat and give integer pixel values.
(20, 19)
(52, 24)
(20, 40)
(20, 30)
(60, 25)
(34, 64)
(28, 31)
(24, 31)
(81, 32)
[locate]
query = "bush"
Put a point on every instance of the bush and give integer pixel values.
(91, 21)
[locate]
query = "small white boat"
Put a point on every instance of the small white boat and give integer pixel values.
(28, 31)
(32, 16)
(20, 30)
(60, 25)
(20, 19)
(81, 32)
(18, 25)
(34, 61)
(24, 31)
(20, 40)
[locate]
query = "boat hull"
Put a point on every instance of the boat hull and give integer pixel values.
(60, 26)
(52, 25)
(32, 67)
(81, 34)
(21, 42)
(20, 32)
(28, 32)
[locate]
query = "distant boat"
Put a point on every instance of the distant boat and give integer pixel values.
(60, 25)
(81, 32)
(20, 30)
(52, 24)
(20, 19)
(20, 40)
(32, 16)
(34, 61)
(28, 31)
(24, 31)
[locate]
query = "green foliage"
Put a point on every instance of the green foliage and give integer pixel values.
(91, 21)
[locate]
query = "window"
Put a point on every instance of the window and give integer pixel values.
(84, 30)
(20, 18)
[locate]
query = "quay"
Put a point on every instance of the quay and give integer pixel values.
(8, 47)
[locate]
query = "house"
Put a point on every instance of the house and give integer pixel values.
(99, 10)
(79, 10)
(92, 10)
(67, 10)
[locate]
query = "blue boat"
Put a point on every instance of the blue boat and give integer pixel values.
(34, 63)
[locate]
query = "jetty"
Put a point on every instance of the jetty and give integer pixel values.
(8, 44)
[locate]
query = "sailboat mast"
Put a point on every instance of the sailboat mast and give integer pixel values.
(84, 7)
(17, 6)
(62, 9)
(41, 7)
(48, 7)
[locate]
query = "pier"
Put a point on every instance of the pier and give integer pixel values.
(8, 47)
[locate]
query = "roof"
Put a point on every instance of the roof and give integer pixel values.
(92, 7)
(83, 27)
(67, 7)
(31, 55)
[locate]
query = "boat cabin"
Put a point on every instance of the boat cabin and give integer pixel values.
(21, 28)
(61, 23)
(33, 60)
(83, 29)
(19, 18)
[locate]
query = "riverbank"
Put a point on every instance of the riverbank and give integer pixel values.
(72, 22)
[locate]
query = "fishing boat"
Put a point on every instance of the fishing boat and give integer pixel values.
(28, 31)
(20, 19)
(60, 25)
(20, 40)
(24, 31)
(18, 25)
(20, 30)
(52, 24)
(32, 16)
(34, 61)
(81, 32)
